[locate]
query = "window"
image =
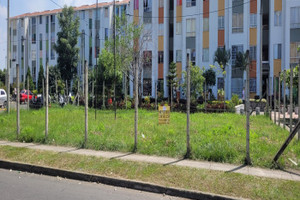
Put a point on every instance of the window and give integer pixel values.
(205, 24)
(277, 51)
(160, 57)
(221, 22)
(41, 19)
(178, 28)
(252, 85)
(14, 51)
(147, 5)
(52, 51)
(90, 24)
(193, 56)
(82, 15)
(41, 42)
(253, 20)
(220, 83)
(33, 33)
(294, 54)
(106, 33)
(161, 3)
(205, 55)
(235, 49)
(277, 18)
(237, 16)
(178, 56)
(106, 12)
(191, 27)
(190, 3)
(252, 53)
(295, 17)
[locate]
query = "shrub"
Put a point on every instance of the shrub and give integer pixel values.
(235, 99)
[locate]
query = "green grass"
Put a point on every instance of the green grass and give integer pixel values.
(214, 137)
(232, 184)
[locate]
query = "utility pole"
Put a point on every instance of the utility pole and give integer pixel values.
(86, 101)
(188, 104)
(279, 99)
(267, 92)
(136, 103)
(23, 63)
(46, 101)
(28, 91)
(83, 57)
(18, 101)
(155, 95)
(291, 98)
(8, 59)
(284, 98)
(275, 96)
(248, 160)
(114, 28)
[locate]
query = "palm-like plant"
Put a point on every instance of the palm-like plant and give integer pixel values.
(242, 60)
(222, 57)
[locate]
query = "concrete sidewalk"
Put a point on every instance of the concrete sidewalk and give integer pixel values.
(293, 175)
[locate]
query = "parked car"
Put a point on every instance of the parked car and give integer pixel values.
(24, 95)
(3, 98)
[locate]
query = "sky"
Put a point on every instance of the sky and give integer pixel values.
(18, 7)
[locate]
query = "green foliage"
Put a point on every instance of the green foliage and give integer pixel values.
(54, 74)
(66, 46)
(147, 100)
(235, 99)
(210, 77)
(31, 85)
(242, 60)
(2, 77)
(41, 78)
(172, 76)
(288, 76)
(197, 81)
(222, 57)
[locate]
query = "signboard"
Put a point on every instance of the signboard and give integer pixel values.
(163, 114)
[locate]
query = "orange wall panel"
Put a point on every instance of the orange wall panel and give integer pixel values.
(206, 39)
(253, 36)
(161, 15)
(253, 6)
(205, 8)
(160, 71)
(277, 67)
(179, 69)
(136, 17)
(221, 7)
(253, 69)
(160, 43)
(221, 38)
(277, 5)
(178, 13)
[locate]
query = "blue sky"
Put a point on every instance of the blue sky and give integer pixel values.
(18, 7)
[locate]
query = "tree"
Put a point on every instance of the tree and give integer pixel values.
(2, 78)
(197, 81)
(242, 60)
(172, 79)
(41, 78)
(66, 46)
(54, 76)
(31, 84)
(222, 57)
(210, 77)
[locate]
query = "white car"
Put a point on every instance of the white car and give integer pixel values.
(3, 98)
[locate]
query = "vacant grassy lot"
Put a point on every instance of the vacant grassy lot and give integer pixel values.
(214, 137)
(224, 183)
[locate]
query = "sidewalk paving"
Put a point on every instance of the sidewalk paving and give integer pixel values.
(293, 175)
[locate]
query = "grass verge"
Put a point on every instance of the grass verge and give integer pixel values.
(213, 137)
(231, 184)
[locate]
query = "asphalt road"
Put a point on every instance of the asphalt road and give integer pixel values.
(22, 186)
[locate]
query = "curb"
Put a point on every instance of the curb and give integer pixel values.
(136, 185)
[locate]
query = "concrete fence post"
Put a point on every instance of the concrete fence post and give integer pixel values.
(18, 100)
(47, 101)
(86, 101)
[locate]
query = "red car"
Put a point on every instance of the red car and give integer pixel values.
(24, 94)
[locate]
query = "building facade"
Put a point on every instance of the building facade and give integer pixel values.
(179, 31)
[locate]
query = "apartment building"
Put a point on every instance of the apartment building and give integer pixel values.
(179, 31)
(33, 36)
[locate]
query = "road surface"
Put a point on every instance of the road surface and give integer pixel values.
(25, 186)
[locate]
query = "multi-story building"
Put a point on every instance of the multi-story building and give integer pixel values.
(181, 31)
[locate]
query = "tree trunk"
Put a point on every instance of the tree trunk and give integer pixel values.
(284, 98)
(279, 97)
(275, 96)
(171, 96)
(125, 90)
